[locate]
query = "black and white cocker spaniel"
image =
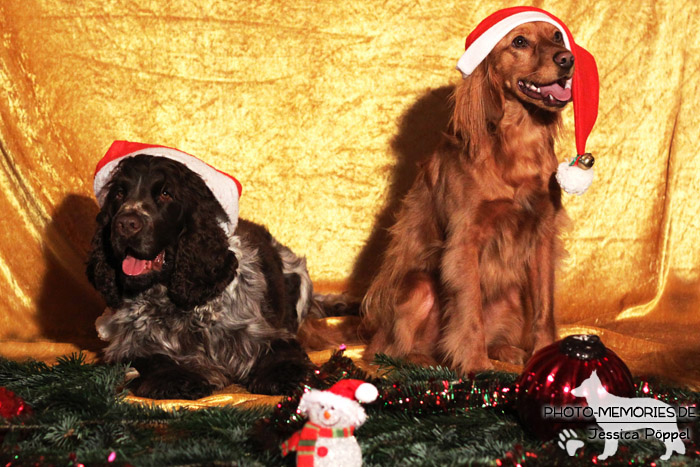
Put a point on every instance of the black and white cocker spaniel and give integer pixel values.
(191, 307)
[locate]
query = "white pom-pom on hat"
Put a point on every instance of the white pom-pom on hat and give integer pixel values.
(585, 83)
(366, 393)
(225, 188)
(573, 179)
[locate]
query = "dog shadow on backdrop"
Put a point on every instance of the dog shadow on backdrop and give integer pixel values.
(421, 129)
(68, 305)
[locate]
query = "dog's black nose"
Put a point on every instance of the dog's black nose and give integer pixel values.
(564, 59)
(129, 225)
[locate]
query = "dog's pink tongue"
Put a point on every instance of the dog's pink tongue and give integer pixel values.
(559, 93)
(133, 267)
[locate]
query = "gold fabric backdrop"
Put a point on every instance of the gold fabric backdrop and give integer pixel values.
(321, 109)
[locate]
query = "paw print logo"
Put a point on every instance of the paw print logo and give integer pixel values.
(569, 441)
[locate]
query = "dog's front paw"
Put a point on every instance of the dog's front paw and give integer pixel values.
(170, 387)
(162, 378)
(280, 371)
(422, 359)
(473, 365)
(285, 378)
(508, 354)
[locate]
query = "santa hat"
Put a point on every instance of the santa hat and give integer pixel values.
(225, 188)
(355, 389)
(573, 176)
(345, 393)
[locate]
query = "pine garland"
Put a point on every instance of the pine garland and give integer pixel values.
(79, 416)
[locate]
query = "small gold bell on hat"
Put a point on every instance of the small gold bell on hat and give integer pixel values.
(586, 161)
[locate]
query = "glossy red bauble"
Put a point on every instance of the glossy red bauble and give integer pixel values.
(12, 406)
(552, 373)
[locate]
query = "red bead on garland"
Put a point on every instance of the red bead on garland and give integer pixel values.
(11, 405)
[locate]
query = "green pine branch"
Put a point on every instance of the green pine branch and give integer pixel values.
(80, 413)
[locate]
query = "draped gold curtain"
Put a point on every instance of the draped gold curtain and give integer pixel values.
(321, 109)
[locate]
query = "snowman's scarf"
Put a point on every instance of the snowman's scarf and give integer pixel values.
(304, 441)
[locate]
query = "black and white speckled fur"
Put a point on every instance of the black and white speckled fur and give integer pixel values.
(293, 264)
(220, 340)
(234, 332)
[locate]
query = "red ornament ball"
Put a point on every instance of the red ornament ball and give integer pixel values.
(555, 370)
(11, 405)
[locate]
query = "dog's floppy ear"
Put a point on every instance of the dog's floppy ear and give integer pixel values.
(479, 103)
(493, 99)
(204, 265)
(100, 269)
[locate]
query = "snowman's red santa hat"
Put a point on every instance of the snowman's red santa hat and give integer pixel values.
(355, 389)
(584, 86)
(225, 188)
(346, 393)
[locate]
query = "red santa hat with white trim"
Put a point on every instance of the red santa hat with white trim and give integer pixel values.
(226, 189)
(575, 176)
(355, 389)
(345, 393)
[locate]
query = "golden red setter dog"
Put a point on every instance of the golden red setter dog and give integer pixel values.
(469, 271)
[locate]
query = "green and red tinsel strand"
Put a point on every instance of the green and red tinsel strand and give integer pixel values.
(415, 390)
(445, 396)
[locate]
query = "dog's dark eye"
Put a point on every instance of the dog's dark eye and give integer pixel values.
(520, 42)
(119, 194)
(558, 37)
(165, 196)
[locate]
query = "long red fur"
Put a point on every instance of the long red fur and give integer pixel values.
(469, 271)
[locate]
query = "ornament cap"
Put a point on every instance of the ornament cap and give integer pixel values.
(583, 347)
(585, 161)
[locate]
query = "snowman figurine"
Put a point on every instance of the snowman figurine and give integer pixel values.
(327, 439)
